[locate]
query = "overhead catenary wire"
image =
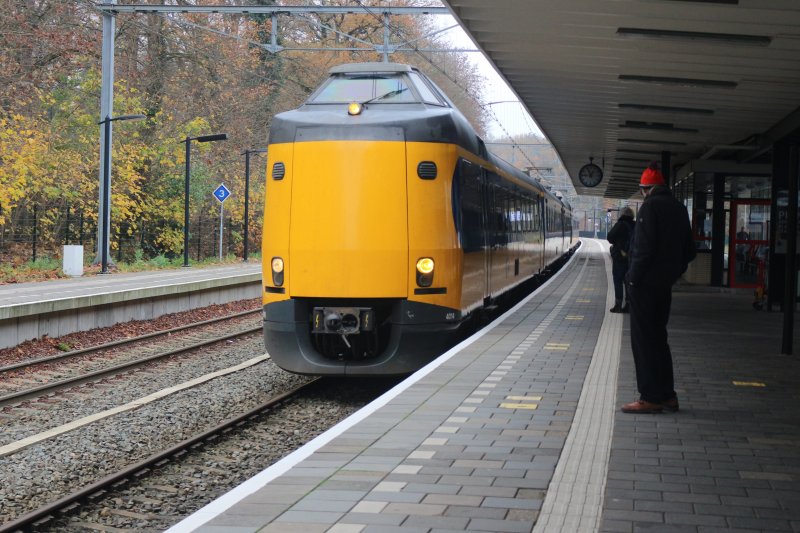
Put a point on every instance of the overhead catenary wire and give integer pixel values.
(399, 33)
(370, 10)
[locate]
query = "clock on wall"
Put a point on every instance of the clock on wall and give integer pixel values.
(590, 175)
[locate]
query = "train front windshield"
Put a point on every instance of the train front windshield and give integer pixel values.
(387, 88)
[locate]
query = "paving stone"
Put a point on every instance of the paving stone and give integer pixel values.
(616, 526)
(499, 526)
(441, 522)
(476, 512)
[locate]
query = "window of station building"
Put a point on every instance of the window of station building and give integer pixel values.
(748, 187)
(385, 88)
(427, 94)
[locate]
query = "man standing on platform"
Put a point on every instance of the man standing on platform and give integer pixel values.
(620, 238)
(661, 250)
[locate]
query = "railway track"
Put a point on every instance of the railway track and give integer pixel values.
(8, 372)
(71, 502)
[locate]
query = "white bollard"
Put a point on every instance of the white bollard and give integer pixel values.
(73, 260)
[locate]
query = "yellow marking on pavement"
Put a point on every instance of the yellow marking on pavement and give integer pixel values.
(587, 289)
(519, 405)
(574, 317)
(555, 346)
(522, 402)
(749, 384)
(583, 301)
(523, 398)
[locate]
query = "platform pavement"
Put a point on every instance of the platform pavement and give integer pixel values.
(449, 453)
(15, 294)
(729, 460)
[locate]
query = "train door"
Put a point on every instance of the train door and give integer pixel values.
(487, 233)
(490, 198)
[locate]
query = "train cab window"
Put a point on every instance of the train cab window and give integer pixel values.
(428, 96)
(383, 88)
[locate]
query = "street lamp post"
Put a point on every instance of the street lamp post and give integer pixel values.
(105, 204)
(188, 141)
(247, 197)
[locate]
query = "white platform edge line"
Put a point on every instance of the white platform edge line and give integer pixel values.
(229, 499)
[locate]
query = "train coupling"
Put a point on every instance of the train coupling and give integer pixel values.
(342, 320)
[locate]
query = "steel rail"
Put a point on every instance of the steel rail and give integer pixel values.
(97, 374)
(121, 342)
(71, 501)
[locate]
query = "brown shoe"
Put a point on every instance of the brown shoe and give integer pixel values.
(671, 405)
(642, 407)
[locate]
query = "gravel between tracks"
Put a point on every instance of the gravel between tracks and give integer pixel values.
(20, 422)
(39, 474)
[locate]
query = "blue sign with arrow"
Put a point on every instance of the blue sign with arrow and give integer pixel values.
(221, 193)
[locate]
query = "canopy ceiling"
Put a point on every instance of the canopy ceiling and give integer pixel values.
(621, 81)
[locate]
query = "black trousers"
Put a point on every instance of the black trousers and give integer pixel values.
(650, 308)
(619, 267)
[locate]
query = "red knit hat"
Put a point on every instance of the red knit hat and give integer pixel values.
(651, 176)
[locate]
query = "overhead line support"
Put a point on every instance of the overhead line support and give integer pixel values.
(249, 10)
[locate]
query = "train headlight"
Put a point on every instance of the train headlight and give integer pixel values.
(425, 272)
(277, 271)
(354, 108)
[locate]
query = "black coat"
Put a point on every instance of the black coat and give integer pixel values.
(662, 245)
(620, 237)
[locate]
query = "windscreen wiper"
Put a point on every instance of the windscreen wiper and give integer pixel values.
(385, 95)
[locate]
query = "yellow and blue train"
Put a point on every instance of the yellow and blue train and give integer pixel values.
(388, 224)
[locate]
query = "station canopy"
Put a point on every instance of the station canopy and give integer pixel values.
(622, 81)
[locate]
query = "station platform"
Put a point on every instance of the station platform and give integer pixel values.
(55, 308)
(519, 429)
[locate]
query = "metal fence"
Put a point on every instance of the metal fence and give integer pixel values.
(36, 231)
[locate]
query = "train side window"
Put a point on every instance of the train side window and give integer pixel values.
(512, 212)
(533, 213)
(528, 213)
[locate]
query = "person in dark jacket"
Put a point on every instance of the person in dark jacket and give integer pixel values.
(620, 237)
(661, 250)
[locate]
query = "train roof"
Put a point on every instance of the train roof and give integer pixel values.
(359, 68)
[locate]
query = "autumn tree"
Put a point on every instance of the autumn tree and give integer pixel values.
(190, 74)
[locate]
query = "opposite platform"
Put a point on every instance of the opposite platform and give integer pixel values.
(54, 308)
